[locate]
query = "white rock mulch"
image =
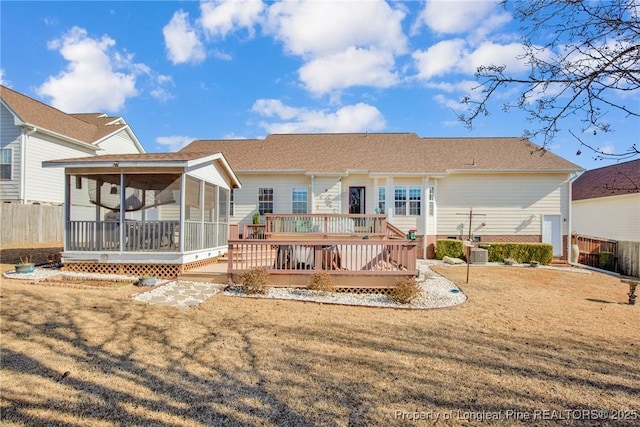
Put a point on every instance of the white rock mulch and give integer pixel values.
(437, 292)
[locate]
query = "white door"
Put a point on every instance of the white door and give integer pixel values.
(551, 233)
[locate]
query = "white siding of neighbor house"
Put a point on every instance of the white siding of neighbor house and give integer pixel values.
(326, 195)
(10, 138)
(513, 204)
(119, 143)
(246, 198)
(47, 184)
(613, 217)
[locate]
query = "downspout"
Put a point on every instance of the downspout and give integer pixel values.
(425, 210)
(572, 177)
(23, 162)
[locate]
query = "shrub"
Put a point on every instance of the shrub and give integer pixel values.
(606, 261)
(449, 247)
(521, 252)
(405, 291)
(321, 282)
(255, 281)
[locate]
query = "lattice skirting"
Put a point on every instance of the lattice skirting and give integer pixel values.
(162, 271)
(383, 291)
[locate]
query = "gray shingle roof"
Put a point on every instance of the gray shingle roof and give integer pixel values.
(614, 180)
(381, 153)
(87, 128)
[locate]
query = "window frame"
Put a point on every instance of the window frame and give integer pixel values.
(294, 202)
(264, 201)
(8, 150)
(382, 199)
(405, 201)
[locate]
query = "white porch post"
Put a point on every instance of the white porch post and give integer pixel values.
(390, 199)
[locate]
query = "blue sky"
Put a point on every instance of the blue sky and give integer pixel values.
(183, 70)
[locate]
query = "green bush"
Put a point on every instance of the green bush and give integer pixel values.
(606, 261)
(449, 247)
(521, 252)
(255, 281)
(321, 282)
(406, 289)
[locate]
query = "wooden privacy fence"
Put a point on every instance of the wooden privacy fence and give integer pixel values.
(626, 255)
(27, 224)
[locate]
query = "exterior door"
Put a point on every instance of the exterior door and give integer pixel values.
(551, 233)
(356, 200)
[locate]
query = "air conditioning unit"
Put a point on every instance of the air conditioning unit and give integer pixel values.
(479, 256)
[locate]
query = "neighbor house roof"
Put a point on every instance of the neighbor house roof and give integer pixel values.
(88, 128)
(381, 153)
(614, 180)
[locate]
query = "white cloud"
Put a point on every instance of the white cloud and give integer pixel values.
(353, 67)
(181, 40)
(456, 56)
(441, 58)
(2, 79)
(476, 17)
(343, 43)
(314, 28)
(220, 17)
(608, 149)
(91, 81)
(351, 118)
(174, 143)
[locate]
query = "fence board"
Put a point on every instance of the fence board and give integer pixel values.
(22, 224)
(629, 258)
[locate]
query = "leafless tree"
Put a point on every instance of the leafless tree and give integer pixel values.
(587, 65)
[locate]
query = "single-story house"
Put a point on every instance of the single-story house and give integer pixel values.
(32, 132)
(606, 202)
(517, 191)
(142, 214)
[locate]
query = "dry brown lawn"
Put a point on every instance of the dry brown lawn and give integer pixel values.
(527, 340)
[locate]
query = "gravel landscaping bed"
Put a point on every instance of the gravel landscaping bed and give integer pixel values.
(436, 292)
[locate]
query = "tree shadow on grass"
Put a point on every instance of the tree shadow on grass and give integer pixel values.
(72, 358)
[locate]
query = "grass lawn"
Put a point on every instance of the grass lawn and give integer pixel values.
(528, 342)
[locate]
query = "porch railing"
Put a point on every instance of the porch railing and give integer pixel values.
(138, 236)
(342, 257)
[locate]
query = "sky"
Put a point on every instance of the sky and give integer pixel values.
(183, 70)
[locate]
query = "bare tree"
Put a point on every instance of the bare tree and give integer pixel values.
(587, 65)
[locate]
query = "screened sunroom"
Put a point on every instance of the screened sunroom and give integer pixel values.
(145, 212)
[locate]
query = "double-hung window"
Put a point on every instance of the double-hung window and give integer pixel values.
(5, 163)
(382, 199)
(299, 200)
(265, 200)
(408, 200)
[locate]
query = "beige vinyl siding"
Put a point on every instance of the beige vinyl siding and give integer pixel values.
(326, 195)
(512, 203)
(119, 143)
(10, 138)
(47, 184)
(246, 198)
(357, 181)
(613, 217)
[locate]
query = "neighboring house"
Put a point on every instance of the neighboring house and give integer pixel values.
(518, 192)
(33, 132)
(606, 202)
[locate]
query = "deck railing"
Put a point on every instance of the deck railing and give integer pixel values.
(363, 224)
(342, 257)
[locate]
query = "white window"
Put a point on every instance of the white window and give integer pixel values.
(232, 205)
(265, 200)
(408, 201)
(299, 200)
(5, 163)
(382, 199)
(432, 200)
